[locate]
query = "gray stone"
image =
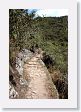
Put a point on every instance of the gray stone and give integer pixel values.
(21, 59)
(12, 92)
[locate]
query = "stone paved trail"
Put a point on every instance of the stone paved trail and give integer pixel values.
(40, 85)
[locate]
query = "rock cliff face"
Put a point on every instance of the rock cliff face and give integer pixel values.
(35, 81)
(21, 59)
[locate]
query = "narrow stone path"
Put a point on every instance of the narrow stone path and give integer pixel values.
(40, 85)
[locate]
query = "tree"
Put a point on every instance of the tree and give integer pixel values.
(20, 22)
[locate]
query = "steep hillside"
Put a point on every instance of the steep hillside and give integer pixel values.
(48, 33)
(52, 37)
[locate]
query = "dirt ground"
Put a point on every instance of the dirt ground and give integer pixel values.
(40, 85)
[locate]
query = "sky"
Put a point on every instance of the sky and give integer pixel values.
(50, 12)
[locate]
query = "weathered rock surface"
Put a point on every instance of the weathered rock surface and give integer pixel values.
(21, 59)
(12, 92)
(35, 81)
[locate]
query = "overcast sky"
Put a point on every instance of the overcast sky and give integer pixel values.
(50, 12)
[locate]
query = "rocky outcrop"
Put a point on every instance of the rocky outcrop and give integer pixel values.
(17, 83)
(34, 81)
(21, 59)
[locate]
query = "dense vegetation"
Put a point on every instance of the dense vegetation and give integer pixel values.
(48, 33)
